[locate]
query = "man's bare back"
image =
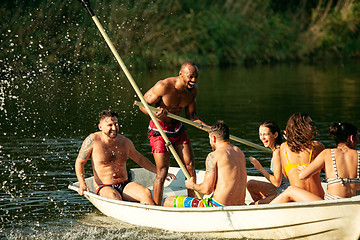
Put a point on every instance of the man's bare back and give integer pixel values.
(230, 187)
(225, 176)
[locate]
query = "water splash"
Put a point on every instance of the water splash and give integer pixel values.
(96, 226)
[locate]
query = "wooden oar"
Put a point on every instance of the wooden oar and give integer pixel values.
(206, 128)
(86, 4)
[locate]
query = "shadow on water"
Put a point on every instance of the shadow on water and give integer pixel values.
(46, 117)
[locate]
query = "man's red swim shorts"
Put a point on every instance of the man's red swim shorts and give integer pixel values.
(174, 131)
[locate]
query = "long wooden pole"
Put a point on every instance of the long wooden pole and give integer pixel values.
(206, 128)
(87, 5)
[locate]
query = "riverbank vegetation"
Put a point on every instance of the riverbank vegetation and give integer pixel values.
(60, 35)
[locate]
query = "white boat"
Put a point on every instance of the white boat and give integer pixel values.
(327, 219)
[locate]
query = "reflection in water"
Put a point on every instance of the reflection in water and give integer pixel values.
(46, 117)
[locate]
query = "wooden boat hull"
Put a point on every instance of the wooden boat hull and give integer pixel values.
(336, 219)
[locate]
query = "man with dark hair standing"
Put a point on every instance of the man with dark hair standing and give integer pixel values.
(225, 175)
(171, 95)
(109, 152)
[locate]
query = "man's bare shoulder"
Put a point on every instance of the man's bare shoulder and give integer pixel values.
(87, 146)
(124, 140)
(170, 80)
(164, 86)
(230, 152)
(95, 135)
(166, 83)
(238, 151)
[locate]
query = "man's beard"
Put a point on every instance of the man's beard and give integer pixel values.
(112, 134)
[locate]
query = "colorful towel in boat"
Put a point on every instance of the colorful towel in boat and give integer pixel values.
(181, 201)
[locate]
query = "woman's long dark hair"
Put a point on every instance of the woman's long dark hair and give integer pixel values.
(300, 130)
(274, 128)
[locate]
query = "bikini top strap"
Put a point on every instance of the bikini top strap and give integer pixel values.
(287, 158)
(312, 148)
(358, 172)
(334, 163)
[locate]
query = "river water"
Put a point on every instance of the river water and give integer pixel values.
(45, 117)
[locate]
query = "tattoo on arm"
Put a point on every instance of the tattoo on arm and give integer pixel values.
(210, 163)
(86, 148)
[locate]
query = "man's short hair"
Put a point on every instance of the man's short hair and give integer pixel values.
(107, 113)
(220, 130)
(188, 63)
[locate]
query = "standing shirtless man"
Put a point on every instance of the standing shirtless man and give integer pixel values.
(109, 152)
(225, 175)
(171, 95)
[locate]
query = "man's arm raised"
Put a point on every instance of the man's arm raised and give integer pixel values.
(83, 156)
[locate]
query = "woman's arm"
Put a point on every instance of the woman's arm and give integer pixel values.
(277, 177)
(314, 167)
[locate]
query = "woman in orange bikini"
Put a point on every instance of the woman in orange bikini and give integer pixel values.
(300, 150)
(341, 165)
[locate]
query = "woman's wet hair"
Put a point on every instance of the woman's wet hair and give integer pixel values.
(300, 130)
(107, 113)
(274, 128)
(340, 132)
(220, 130)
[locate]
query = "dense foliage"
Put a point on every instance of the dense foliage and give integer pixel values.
(148, 34)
